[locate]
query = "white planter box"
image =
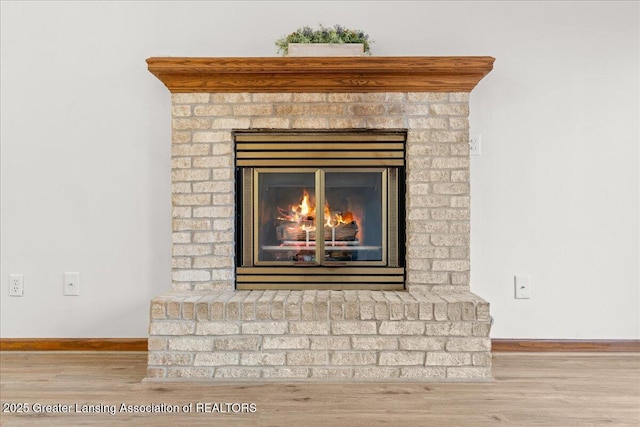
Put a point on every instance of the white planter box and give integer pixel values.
(326, 49)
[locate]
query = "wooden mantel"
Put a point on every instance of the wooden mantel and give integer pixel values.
(322, 74)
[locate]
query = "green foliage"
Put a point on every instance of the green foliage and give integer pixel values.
(335, 34)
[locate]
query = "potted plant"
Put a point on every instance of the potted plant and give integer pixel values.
(332, 41)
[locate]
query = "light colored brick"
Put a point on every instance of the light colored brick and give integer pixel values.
(309, 328)
(451, 240)
(185, 250)
(437, 329)
(375, 343)
(171, 328)
(189, 175)
(191, 123)
(367, 309)
(263, 306)
(181, 187)
(262, 359)
(216, 359)
(211, 137)
(414, 372)
(481, 359)
(277, 306)
(188, 150)
(401, 328)
(230, 98)
(422, 343)
(180, 137)
(309, 123)
(330, 343)
(353, 328)
(427, 277)
(482, 311)
(451, 188)
(217, 328)
(346, 123)
(212, 262)
(450, 214)
(385, 122)
(189, 98)
(285, 372)
(309, 97)
(427, 96)
(173, 309)
(156, 343)
(270, 123)
(189, 373)
(191, 275)
(156, 372)
(449, 109)
(285, 342)
(212, 110)
(426, 122)
(367, 109)
(468, 344)
(264, 328)
(191, 344)
(236, 372)
(231, 123)
(181, 163)
(481, 329)
(272, 97)
(353, 358)
(158, 309)
(221, 161)
(307, 358)
(377, 372)
(401, 358)
(460, 329)
(237, 344)
(448, 359)
(331, 373)
(169, 359)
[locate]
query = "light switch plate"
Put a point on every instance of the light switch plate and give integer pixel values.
(522, 287)
(71, 285)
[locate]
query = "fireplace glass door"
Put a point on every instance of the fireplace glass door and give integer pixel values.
(320, 217)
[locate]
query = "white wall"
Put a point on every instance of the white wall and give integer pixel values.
(85, 154)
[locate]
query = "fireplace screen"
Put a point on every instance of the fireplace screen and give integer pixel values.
(320, 217)
(323, 226)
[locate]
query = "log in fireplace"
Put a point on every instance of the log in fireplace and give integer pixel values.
(320, 210)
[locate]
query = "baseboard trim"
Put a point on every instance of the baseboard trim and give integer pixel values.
(140, 344)
(73, 344)
(506, 345)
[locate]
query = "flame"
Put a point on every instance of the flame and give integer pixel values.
(305, 207)
(305, 211)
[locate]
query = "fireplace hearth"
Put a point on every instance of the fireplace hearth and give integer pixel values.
(321, 225)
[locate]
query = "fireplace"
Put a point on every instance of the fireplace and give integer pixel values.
(320, 210)
(321, 225)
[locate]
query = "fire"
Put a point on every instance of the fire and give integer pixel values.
(305, 207)
(306, 211)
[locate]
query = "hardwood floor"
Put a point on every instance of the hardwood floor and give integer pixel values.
(542, 389)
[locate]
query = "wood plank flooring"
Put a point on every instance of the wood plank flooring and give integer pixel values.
(541, 389)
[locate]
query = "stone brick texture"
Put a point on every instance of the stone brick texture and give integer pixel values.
(434, 329)
(437, 199)
(445, 337)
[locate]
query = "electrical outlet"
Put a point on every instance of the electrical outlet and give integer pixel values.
(16, 285)
(71, 285)
(522, 287)
(475, 145)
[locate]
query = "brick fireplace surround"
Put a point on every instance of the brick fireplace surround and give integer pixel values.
(435, 329)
